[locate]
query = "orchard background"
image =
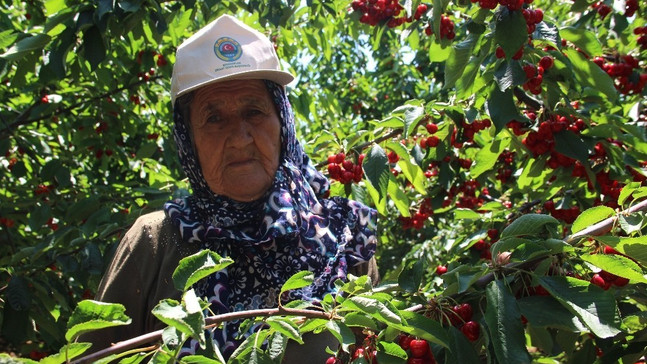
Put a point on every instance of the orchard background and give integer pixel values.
(503, 142)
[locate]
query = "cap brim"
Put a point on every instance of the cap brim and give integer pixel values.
(280, 77)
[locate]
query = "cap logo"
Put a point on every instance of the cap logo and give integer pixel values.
(227, 49)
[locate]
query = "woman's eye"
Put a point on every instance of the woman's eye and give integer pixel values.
(253, 112)
(213, 119)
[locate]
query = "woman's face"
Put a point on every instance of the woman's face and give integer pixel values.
(237, 137)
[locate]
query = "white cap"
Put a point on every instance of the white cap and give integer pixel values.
(226, 49)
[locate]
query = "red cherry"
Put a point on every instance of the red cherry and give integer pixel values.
(431, 128)
(419, 348)
(472, 330)
(405, 341)
(546, 62)
(464, 310)
(610, 250)
(600, 282)
(332, 360)
(339, 158)
(441, 269)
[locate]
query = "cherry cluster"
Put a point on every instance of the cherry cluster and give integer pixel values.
(541, 141)
(504, 173)
(417, 350)
(460, 316)
(567, 215)
(626, 80)
(418, 218)
(510, 4)
(432, 141)
(468, 132)
(376, 11)
(641, 32)
(344, 170)
(446, 28)
(535, 74)
(466, 194)
(145, 76)
(101, 127)
(532, 17)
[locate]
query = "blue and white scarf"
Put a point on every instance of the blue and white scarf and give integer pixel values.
(290, 229)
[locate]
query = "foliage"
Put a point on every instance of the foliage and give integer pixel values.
(490, 154)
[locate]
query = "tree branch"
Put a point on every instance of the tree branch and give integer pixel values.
(210, 322)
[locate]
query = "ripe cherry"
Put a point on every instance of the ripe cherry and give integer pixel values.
(441, 269)
(405, 341)
(464, 310)
(431, 128)
(419, 348)
(471, 330)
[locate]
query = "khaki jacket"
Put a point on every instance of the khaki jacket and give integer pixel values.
(139, 276)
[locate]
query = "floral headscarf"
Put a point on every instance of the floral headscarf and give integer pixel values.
(290, 229)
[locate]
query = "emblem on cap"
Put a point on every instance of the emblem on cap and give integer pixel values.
(227, 49)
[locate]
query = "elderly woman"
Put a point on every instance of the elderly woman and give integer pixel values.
(256, 196)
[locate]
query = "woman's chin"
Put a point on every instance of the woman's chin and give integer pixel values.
(244, 187)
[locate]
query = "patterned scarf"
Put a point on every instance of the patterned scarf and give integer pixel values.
(290, 229)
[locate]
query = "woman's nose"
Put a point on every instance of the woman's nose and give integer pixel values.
(240, 133)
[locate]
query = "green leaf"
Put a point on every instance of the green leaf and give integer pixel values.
(584, 39)
(356, 319)
(546, 311)
(298, 280)
(198, 359)
(399, 198)
(193, 268)
(412, 172)
(423, 327)
(501, 108)
(632, 223)
(571, 145)
(285, 326)
(18, 293)
(185, 320)
(466, 214)
(504, 324)
(390, 353)
(460, 350)
(595, 307)
(384, 312)
(93, 315)
(509, 74)
(591, 216)
(511, 31)
(590, 74)
(39, 216)
(31, 43)
(411, 276)
(342, 333)
(458, 59)
(529, 225)
(487, 156)
(67, 352)
(376, 169)
(94, 51)
(618, 265)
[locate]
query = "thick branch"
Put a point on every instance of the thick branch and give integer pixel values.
(210, 322)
